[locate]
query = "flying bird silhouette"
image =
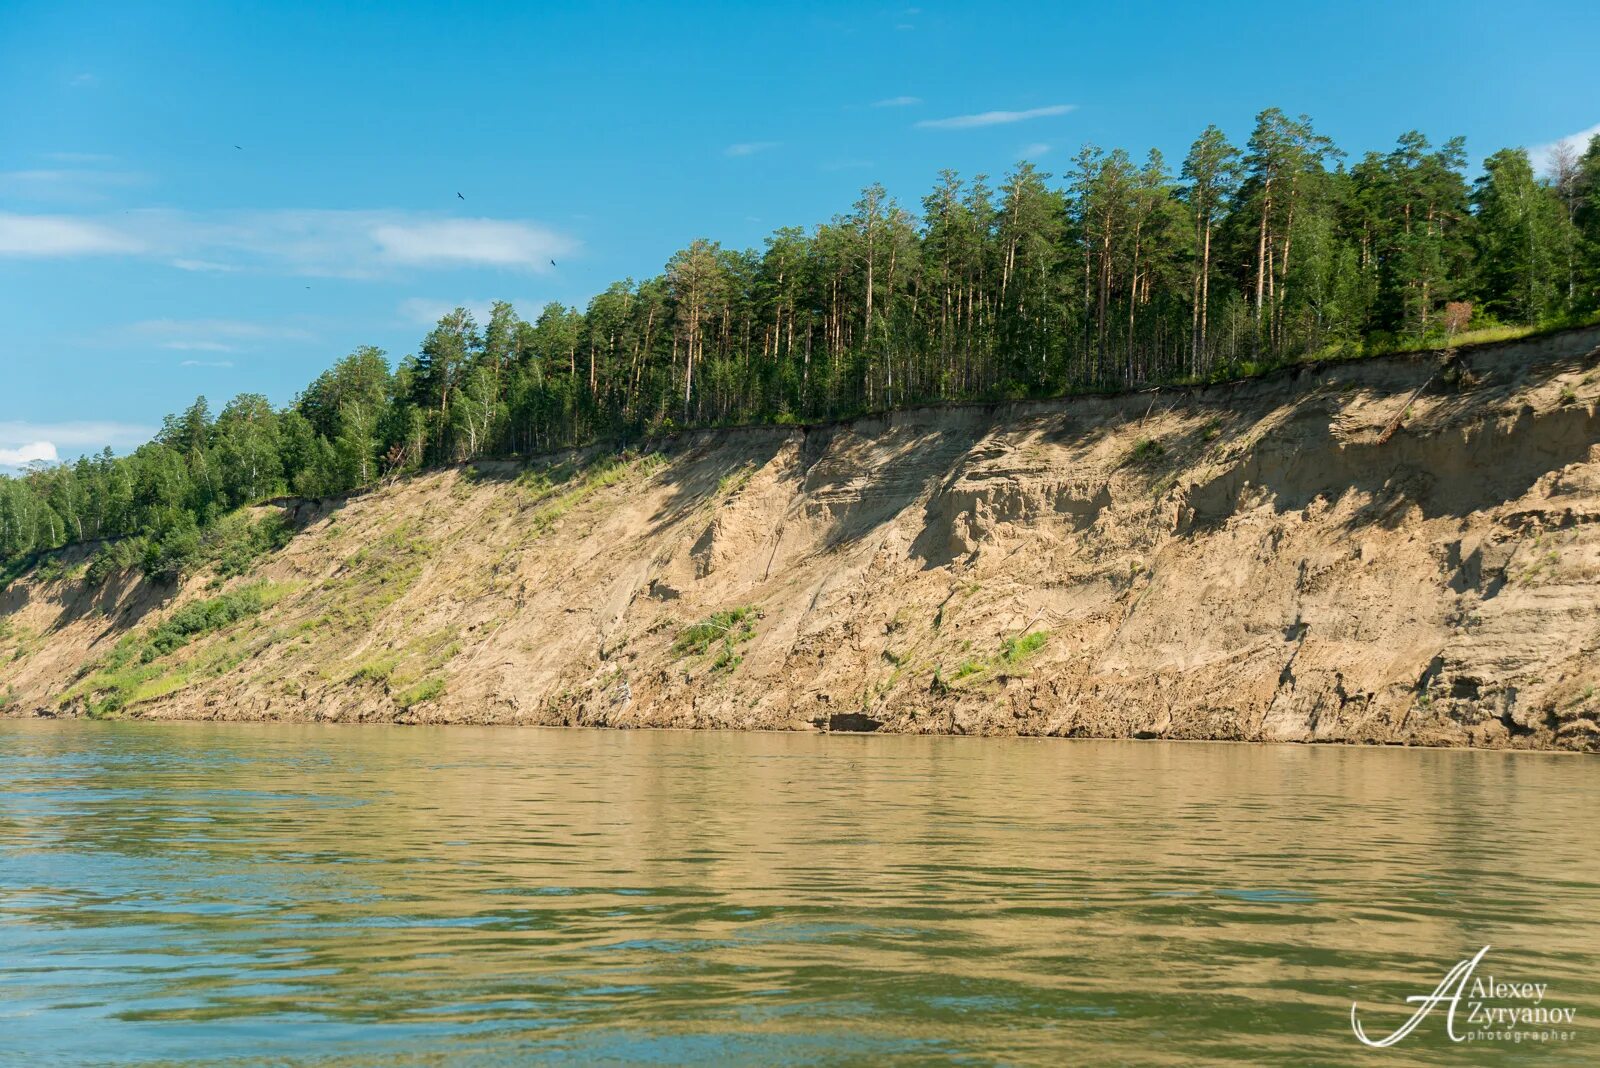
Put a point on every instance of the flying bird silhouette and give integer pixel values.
(239, 147)
(552, 263)
(460, 197)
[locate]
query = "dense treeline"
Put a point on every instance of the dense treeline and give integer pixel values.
(1117, 273)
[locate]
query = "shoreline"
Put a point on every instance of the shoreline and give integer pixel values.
(451, 725)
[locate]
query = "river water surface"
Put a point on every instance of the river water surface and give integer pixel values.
(211, 893)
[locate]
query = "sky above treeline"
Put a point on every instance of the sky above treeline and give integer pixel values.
(210, 199)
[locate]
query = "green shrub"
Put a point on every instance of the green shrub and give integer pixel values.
(202, 617)
(113, 558)
(236, 542)
(168, 556)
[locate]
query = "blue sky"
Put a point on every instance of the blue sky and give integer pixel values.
(145, 259)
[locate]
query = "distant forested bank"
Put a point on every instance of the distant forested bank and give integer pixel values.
(1117, 273)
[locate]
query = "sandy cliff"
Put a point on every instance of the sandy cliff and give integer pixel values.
(1403, 550)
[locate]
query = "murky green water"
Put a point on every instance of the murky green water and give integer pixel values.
(315, 895)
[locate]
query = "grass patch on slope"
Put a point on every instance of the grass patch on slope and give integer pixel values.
(139, 667)
(1011, 654)
(407, 672)
(558, 489)
(723, 631)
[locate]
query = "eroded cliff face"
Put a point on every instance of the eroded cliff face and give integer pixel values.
(1402, 550)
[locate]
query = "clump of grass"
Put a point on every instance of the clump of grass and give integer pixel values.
(1567, 396)
(1147, 451)
(731, 483)
(426, 690)
(968, 668)
(1015, 650)
(373, 671)
(1012, 652)
(726, 630)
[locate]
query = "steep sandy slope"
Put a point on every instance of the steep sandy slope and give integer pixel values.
(1391, 551)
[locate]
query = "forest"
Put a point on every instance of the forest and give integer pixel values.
(1117, 273)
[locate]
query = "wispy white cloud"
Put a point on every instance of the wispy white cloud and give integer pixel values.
(207, 363)
(204, 335)
(994, 118)
(897, 102)
(85, 80)
(1543, 156)
(29, 453)
(66, 184)
(1033, 151)
(62, 235)
(749, 148)
(201, 265)
(353, 244)
(426, 311)
(75, 434)
(478, 242)
(22, 443)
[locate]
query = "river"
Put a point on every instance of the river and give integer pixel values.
(324, 895)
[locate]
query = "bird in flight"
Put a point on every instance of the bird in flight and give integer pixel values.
(239, 147)
(460, 197)
(552, 263)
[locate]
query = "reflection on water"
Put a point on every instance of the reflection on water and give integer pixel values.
(355, 895)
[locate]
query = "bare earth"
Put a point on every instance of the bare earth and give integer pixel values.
(1323, 555)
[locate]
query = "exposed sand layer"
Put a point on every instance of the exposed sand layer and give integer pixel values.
(1388, 551)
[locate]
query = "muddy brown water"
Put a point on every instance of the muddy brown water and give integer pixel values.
(251, 893)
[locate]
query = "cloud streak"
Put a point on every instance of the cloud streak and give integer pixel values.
(351, 244)
(994, 118)
(897, 102)
(65, 184)
(206, 335)
(750, 148)
(22, 443)
(46, 236)
(425, 311)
